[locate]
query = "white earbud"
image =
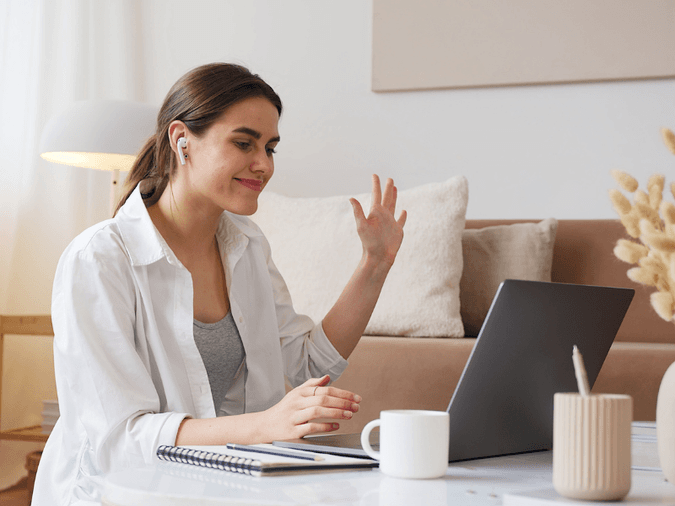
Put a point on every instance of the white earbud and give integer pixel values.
(181, 145)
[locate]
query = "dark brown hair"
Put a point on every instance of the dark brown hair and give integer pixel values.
(198, 99)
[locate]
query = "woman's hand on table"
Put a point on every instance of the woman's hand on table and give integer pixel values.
(297, 414)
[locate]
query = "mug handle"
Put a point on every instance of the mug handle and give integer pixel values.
(365, 439)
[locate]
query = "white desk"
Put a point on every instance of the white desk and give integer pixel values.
(478, 482)
(481, 482)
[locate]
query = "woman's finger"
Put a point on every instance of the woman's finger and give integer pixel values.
(321, 413)
(316, 427)
(314, 382)
(332, 402)
(389, 198)
(317, 387)
(359, 215)
(377, 192)
(337, 393)
(402, 219)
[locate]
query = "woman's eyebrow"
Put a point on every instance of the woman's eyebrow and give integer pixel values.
(255, 134)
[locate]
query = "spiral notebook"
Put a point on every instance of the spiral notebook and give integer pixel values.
(258, 464)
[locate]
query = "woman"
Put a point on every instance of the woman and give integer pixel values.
(172, 324)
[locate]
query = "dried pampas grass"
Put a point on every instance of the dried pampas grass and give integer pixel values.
(650, 221)
(669, 139)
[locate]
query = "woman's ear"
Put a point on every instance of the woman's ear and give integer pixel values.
(176, 131)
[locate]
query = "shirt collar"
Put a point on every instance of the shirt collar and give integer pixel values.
(146, 245)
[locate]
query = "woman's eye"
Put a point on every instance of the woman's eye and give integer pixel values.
(271, 151)
(245, 146)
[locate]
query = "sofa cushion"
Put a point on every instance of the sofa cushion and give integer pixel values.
(316, 248)
(493, 254)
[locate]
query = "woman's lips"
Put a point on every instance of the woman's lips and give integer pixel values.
(251, 184)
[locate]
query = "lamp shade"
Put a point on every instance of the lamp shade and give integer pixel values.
(98, 134)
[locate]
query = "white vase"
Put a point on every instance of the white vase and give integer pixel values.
(665, 423)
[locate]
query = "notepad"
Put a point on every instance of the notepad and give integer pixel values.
(257, 464)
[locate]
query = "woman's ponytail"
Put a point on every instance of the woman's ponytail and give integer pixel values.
(145, 167)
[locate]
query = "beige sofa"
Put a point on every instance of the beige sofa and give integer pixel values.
(421, 373)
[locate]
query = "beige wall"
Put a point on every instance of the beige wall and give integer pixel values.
(432, 45)
(527, 150)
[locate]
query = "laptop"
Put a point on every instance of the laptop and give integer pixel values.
(503, 402)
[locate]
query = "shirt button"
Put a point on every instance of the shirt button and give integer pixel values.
(241, 319)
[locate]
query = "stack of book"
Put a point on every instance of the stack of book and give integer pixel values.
(50, 413)
(645, 454)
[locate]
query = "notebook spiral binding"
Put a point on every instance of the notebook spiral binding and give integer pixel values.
(211, 460)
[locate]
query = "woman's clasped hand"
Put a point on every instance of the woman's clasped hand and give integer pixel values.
(310, 408)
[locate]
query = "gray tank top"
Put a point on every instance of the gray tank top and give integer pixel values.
(222, 351)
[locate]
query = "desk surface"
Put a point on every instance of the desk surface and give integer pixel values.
(478, 482)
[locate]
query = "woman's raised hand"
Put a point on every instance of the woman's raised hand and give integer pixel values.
(297, 414)
(380, 232)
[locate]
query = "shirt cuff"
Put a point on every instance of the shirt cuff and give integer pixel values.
(169, 430)
(324, 355)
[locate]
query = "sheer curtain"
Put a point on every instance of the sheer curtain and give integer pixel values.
(52, 52)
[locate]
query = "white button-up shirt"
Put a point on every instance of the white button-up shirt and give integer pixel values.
(128, 370)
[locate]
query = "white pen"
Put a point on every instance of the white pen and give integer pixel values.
(580, 372)
(273, 451)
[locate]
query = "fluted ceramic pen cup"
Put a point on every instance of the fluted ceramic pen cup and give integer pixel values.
(591, 446)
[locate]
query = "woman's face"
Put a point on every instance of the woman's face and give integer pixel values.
(232, 162)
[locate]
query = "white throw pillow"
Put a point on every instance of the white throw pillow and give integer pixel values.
(316, 248)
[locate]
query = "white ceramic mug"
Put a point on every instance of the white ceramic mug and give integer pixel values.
(413, 443)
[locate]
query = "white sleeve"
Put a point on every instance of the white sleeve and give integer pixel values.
(306, 350)
(103, 373)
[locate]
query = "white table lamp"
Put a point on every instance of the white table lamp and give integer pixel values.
(99, 134)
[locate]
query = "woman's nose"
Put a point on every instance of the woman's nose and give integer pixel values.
(263, 163)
